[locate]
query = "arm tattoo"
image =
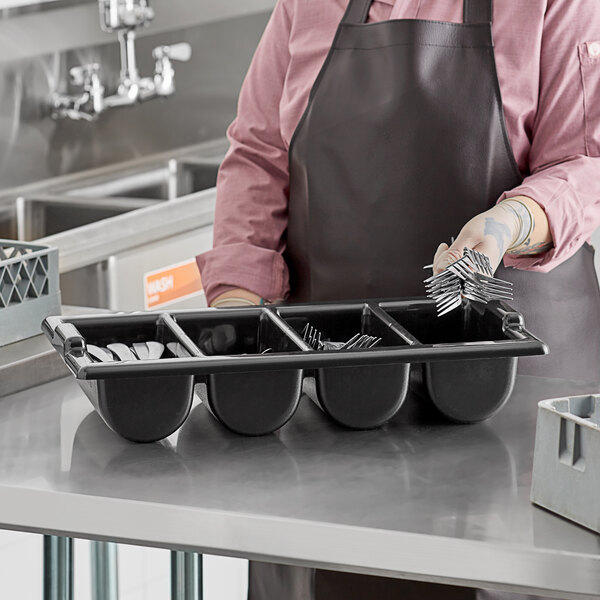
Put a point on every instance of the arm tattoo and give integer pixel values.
(499, 231)
(532, 250)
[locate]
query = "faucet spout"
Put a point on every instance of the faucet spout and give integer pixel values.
(123, 16)
(129, 70)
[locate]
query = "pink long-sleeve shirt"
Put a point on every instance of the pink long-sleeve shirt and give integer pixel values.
(548, 62)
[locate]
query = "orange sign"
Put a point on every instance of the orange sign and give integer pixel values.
(172, 283)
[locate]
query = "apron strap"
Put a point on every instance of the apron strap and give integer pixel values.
(478, 11)
(357, 11)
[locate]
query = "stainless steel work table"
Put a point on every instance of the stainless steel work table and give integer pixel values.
(419, 499)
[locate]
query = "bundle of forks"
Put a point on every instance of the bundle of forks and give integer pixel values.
(314, 338)
(469, 278)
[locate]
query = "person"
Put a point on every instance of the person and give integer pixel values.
(371, 132)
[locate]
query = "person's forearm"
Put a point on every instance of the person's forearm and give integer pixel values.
(516, 227)
(539, 240)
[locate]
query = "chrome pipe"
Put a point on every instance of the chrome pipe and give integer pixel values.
(186, 575)
(104, 568)
(58, 568)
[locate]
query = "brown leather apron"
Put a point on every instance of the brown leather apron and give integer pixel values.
(402, 142)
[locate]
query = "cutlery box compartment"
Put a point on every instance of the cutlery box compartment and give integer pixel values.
(144, 408)
(253, 361)
(359, 397)
(250, 403)
(465, 391)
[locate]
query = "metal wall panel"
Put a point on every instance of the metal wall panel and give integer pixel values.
(33, 147)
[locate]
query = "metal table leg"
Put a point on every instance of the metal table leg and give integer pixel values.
(58, 568)
(105, 578)
(186, 576)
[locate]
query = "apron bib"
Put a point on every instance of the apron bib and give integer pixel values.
(402, 142)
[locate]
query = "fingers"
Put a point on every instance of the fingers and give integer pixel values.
(440, 250)
(445, 255)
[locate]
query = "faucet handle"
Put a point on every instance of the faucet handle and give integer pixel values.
(83, 74)
(181, 52)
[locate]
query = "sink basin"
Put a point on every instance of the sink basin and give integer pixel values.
(173, 179)
(28, 219)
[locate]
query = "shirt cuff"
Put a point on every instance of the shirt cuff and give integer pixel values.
(565, 218)
(258, 270)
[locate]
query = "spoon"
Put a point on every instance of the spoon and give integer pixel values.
(100, 354)
(122, 351)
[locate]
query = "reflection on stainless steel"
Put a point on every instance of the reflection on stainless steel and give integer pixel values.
(418, 498)
(124, 17)
(18, 7)
(271, 471)
(175, 179)
(550, 531)
(451, 496)
(28, 219)
(33, 147)
(99, 454)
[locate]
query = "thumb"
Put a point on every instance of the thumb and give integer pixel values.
(440, 250)
(451, 254)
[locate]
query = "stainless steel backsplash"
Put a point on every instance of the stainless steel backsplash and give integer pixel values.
(34, 147)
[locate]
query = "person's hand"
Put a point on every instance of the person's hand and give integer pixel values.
(237, 297)
(492, 232)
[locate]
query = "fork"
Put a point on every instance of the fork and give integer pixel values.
(312, 336)
(471, 278)
(361, 342)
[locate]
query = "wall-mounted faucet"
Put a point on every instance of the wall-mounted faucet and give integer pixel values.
(124, 17)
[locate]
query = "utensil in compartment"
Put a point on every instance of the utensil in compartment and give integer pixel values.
(122, 351)
(314, 338)
(100, 354)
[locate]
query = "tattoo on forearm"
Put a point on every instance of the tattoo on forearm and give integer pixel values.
(532, 250)
(499, 231)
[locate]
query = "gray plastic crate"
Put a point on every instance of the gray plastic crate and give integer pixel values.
(29, 289)
(566, 465)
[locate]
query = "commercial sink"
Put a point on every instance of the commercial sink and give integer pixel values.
(108, 249)
(28, 219)
(172, 179)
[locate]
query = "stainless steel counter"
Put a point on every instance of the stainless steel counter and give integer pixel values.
(33, 361)
(418, 499)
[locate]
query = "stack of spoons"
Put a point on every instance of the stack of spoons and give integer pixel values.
(122, 352)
